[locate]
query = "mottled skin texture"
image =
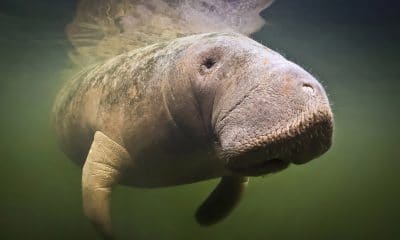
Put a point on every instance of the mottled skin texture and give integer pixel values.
(195, 108)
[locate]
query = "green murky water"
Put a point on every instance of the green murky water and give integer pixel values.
(352, 192)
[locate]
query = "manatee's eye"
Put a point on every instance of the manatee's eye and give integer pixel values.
(208, 63)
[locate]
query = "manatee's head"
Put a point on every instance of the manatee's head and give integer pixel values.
(262, 111)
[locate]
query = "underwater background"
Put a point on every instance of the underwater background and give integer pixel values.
(352, 192)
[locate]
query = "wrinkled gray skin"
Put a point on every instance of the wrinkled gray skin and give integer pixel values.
(196, 108)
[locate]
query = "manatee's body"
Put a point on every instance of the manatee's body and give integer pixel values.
(195, 108)
(187, 109)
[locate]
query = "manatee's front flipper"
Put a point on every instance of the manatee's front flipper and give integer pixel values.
(100, 173)
(222, 200)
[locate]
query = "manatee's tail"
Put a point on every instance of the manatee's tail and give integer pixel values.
(105, 28)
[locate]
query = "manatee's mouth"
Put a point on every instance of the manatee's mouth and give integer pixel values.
(303, 140)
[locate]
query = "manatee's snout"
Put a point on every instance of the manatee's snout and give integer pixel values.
(284, 118)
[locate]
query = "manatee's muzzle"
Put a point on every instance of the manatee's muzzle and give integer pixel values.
(306, 138)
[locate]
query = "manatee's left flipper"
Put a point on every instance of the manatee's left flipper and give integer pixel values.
(100, 173)
(222, 200)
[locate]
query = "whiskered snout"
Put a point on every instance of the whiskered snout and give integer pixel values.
(305, 139)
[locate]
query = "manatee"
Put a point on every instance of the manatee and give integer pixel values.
(200, 106)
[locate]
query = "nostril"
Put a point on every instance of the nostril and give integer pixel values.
(307, 85)
(308, 88)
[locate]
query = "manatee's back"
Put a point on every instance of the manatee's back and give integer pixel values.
(72, 133)
(101, 96)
